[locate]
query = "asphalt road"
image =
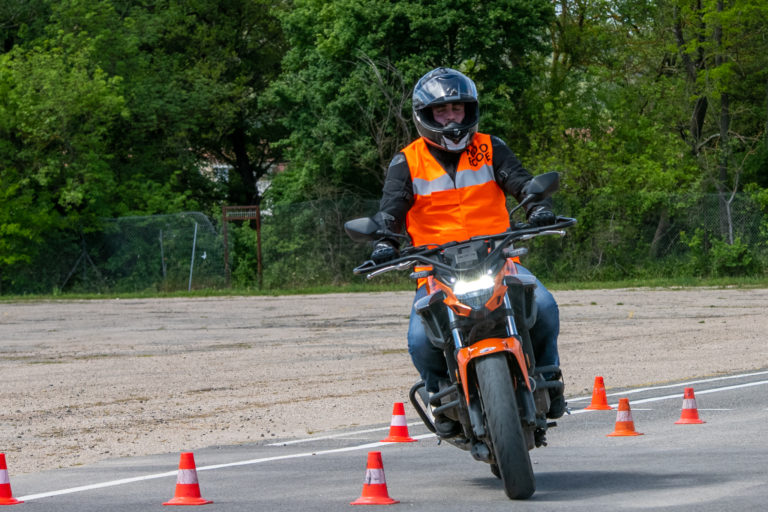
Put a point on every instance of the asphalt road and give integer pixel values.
(719, 465)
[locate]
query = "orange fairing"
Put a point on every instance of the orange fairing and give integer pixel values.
(450, 299)
(486, 347)
(499, 290)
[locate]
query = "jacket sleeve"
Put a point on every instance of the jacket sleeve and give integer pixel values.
(397, 196)
(511, 176)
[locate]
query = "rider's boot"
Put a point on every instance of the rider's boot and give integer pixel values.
(557, 404)
(446, 427)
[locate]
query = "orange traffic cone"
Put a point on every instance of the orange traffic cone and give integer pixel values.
(690, 413)
(624, 424)
(6, 496)
(375, 485)
(599, 400)
(398, 428)
(187, 488)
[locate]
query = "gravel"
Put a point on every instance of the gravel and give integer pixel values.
(87, 380)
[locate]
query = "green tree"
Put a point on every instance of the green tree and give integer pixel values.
(194, 73)
(348, 76)
(112, 107)
(608, 114)
(21, 19)
(56, 111)
(721, 47)
(638, 102)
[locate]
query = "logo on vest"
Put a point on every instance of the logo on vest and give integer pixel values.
(478, 154)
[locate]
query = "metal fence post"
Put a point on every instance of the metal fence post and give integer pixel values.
(192, 262)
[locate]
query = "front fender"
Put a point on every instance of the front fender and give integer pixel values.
(491, 346)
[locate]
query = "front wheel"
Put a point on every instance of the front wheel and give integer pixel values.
(503, 422)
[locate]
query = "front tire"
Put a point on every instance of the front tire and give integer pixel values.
(504, 428)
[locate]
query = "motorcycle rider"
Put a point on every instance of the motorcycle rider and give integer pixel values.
(451, 184)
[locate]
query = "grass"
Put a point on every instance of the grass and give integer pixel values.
(678, 282)
(216, 292)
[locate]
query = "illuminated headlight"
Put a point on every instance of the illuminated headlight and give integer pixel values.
(474, 293)
(463, 287)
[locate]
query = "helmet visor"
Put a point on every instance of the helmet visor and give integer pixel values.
(445, 88)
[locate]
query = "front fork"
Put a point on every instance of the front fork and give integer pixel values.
(456, 399)
(516, 343)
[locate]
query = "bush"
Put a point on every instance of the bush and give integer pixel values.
(715, 257)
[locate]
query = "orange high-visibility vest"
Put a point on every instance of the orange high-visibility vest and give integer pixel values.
(446, 210)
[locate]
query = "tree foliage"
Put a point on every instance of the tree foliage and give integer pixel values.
(112, 107)
(348, 75)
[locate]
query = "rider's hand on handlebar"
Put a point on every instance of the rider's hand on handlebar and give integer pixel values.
(541, 216)
(384, 251)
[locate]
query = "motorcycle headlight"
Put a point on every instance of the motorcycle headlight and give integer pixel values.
(474, 293)
(463, 287)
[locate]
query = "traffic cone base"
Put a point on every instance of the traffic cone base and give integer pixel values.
(690, 413)
(187, 501)
(375, 485)
(9, 500)
(599, 399)
(398, 428)
(6, 496)
(187, 488)
(374, 500)
(625, 426)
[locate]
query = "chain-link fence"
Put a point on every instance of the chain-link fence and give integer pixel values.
(305, 245)
(130, 254)
(163, 252)
(302, 245)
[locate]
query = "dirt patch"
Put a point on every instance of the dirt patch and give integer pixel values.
(91, 380)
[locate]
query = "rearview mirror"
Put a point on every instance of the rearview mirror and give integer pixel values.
(362, 230)
(544, 185)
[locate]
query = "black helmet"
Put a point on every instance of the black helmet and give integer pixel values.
(439, 86)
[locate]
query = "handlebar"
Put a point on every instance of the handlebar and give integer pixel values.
(422, 254)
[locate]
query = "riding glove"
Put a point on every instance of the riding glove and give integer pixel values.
(384, 251)
(541, 216)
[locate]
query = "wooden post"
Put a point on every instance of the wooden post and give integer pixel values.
(252, 212)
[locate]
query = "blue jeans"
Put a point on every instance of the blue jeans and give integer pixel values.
(430, 360)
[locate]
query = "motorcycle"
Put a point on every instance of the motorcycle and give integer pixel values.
(479, 310)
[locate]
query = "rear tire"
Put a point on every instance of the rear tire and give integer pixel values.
(503, 423)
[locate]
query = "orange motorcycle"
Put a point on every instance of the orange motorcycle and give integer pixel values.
(478, 310)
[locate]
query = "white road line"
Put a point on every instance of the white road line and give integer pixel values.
(96, 486)
(678, 395)
(333, 436)
(207, 468)
(570, 400)
(343, 434)
(365, 446)
(667, 386)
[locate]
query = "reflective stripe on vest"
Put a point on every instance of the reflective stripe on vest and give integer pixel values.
(466, 178)
(446, 210)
